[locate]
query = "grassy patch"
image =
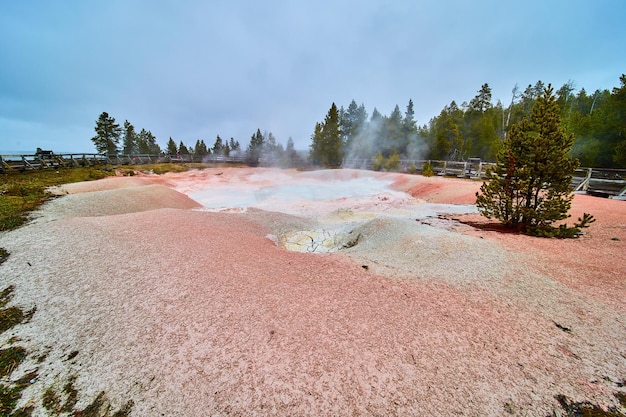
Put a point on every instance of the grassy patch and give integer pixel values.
(4, 255)
(9, 396)
(51, 401)
(10, 359)
(162, 168)
(11, 393)
(63, 402)
(11, 316)
(22, 192)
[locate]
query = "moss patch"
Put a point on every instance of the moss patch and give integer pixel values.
(11, 316)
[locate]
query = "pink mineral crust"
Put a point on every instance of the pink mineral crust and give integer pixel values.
(201, 312)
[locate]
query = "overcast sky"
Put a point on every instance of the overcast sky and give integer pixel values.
(195, 69)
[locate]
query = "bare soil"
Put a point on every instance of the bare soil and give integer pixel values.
(187, 312)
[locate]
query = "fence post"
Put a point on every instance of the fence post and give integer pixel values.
(584, 185)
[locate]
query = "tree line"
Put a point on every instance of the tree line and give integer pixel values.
(475, 129)
(111, 139)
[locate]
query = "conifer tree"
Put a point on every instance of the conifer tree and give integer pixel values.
(327, 147)
(200, 149)
(146, 143)
(108, 135)
(130, 139)
(353, 122)
(234, 145)
(172, 149)
(255, 148)
(182, 148)
(529, 189)
(218, 146)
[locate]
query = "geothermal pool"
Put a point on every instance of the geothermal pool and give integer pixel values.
(339, 205)
(287, 195)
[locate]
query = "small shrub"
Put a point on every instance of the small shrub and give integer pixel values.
(393, 162)
(379, 162)
(427, 169)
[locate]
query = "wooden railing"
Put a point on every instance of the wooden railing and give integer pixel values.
(49, 160)
(596, 181)
(467, 169)
(52, 160)
(601, 181)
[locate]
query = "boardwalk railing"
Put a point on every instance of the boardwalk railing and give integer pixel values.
(602, 182)
(596, 181)
(49, 160)
(52, 160)
(473, 168)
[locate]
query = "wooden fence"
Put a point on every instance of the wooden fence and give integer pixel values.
(595, 181)
(51, 160)
(601, 182)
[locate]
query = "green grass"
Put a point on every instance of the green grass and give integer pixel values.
(11, 316)
(4, 255)
(22, 192)
(10, 359)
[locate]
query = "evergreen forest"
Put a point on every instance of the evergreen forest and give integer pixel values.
(473, 129)
(477, 129)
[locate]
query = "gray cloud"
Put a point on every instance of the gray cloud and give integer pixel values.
(194, 69)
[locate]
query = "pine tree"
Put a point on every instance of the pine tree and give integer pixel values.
(409, 125)
(529, 189)
(353, 122)
(234, 145)
(172, 149)
(107, 136)
(290, 153)
(218, 146)
(315, 153)
(255, 148)
(448, 140)
(393, 137)
(327, 147)
(200, 149)
(182, 149)
(146, 143)
(130, 139)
